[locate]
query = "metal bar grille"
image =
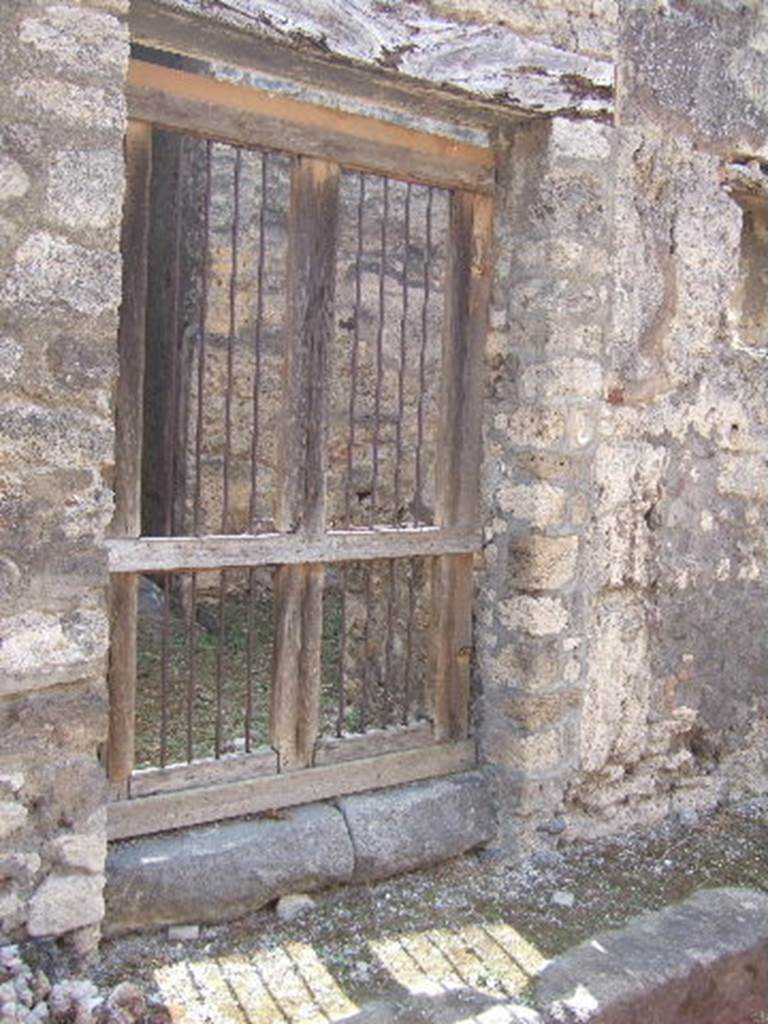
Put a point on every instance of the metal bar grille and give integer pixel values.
(219, 441)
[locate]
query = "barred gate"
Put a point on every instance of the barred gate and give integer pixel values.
(305, 302)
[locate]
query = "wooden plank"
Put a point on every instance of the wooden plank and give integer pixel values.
(236, 113)
(451, 646)
(130, 342)
(467, 292)
(128, 441)
(230, 768)
(160, 554)
(335, 750)
(458, 462)
(165, 811)
(301, 471)
(185, 32)
(312, 227)
(297, 594)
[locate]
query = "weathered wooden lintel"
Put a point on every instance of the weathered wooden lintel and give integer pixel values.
(253, 117)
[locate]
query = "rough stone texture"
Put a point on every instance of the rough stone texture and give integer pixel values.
(621, 652)
(400, 829)
(61, 184)
(212, 874)
(703, 961)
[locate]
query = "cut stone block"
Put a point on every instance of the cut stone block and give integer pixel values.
(704, 961)
(225, 871)
(408, 827)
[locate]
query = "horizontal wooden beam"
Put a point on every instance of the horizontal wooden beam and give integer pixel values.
(164, 554)
(263, 762)
(165, 811)
(254, 117)
(175, 777)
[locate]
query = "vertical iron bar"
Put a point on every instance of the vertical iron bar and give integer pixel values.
(388, 687)
(257, 343)
(192, 656)
(220, 664)
(407, 687)
(202, 327)
(164, 658)
(250, 662)
(418, 497)
(171, 417)
(350, 445)
(231, 343)
(255, 447)
(379, 351)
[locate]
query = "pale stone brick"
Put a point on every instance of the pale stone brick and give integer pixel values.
(539, 616)
(65, 902)
(538, 503)
(538, 562)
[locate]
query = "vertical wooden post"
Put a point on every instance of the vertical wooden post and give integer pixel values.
(458, 480)
(300, 502)
(126, 521)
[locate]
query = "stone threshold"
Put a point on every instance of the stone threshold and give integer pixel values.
(210, 874)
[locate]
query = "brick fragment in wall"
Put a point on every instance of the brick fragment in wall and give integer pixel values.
(13, 816)
(542, 751)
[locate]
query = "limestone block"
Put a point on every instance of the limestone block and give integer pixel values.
(62, 438)
(66, 902)
(14, 181)
(539, 616)
(49, 269)
(534, 427)
(580, 140)
(543, 751)
(401, 829)
(225, 871)
(84, 852)
(77, 39)
(36, 642)
(582, 378)
(538, 562)
(540, 504)
(698, 962)
(80, 105)
(616, 701)
(85, 188)
(12, 817)
(10, 358)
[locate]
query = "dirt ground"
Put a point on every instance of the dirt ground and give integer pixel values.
(451, 943)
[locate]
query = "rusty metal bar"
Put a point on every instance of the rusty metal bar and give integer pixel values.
(171, 418)
(164, 668)
(418, 499)
(192, 663)
(231, 343)
(257, 343)
(202, 330)
(220, 665)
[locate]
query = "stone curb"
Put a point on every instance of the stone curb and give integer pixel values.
(221, 872)
(703, 961)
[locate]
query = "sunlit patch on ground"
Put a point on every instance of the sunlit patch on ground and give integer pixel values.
(491, 958)
(285, 984)
(289, 984)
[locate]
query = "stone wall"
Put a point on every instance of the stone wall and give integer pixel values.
(61, 184)
(620, 618)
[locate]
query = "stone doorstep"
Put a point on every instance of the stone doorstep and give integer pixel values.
(209, 874)
(703, 961)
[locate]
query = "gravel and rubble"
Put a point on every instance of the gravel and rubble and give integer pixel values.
(353, 933)
(27, 996)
